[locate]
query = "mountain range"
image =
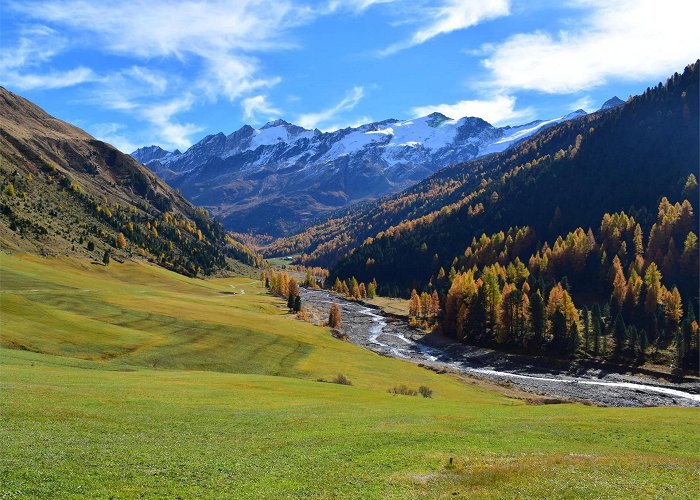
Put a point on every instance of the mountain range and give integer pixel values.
(277, 179)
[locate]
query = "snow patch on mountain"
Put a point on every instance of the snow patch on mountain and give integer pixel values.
(257, 171)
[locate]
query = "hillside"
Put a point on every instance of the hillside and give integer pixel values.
(64, 192)
(275, 179)
(597, 213)
(623, 146)
(134, 381)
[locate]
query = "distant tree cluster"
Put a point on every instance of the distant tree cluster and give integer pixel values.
(281, 284)
(352, 289)
(425, 306)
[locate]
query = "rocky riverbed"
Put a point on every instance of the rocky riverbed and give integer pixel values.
(388, 336)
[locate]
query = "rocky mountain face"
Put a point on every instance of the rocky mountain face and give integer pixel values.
(278, 178)
(613, 102)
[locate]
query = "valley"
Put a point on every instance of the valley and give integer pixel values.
(341, 305)
(133, 379)
(388, 336)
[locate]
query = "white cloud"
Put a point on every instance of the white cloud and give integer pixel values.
(628, 39)
(449, 16)
(172, 132)
(498, 110)
(354, 5)
(232, 77)
(48, 80)
(314, 120)
(158, 82)
(585, 103)
(220, 34)
(258, 105)
(35, 46)
(112, 133)
(209, 48)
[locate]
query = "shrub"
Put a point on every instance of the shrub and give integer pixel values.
(403, 390)
(341, 379)
(425, 391)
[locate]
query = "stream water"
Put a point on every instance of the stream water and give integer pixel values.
(369, 328)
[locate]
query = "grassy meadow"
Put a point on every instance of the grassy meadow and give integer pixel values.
(130, 381)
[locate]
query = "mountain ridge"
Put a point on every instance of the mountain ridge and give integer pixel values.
(248, 178)
(63, 192)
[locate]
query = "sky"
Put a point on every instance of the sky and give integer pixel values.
(166, 72)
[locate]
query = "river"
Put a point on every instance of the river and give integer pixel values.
(371, 329)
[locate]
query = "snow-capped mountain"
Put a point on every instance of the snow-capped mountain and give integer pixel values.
(273, 179)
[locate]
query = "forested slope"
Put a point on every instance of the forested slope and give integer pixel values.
(64, 192)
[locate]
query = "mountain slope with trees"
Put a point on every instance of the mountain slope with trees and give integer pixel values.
(600, 212)
(64, 192)
(580, 166)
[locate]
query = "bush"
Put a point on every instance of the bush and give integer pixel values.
(341, 379)
(403, 390)
(425, 391)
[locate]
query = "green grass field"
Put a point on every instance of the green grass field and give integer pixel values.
(132, 381)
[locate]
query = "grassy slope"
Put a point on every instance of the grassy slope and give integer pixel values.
(90, 415)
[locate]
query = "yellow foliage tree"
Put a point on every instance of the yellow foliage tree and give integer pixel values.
(121, 241)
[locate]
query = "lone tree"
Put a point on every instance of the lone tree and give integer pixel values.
(297, 304)
(121, 241)
(105, 258)
(334, 316)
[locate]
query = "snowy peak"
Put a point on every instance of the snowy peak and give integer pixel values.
(252, 178)
(148, 154)
(613, 102)
(575, 114)
(436, 119)
(275, 123)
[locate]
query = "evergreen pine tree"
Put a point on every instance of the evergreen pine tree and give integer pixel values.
(537, 316)
(596, 327)
(475, 325)
(586, 329)
(559, 333)
(573, 339)
(633, 338)
(643, 345)
(620, 335)
(680, 348)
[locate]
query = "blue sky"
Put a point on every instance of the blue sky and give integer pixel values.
(164, 72)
